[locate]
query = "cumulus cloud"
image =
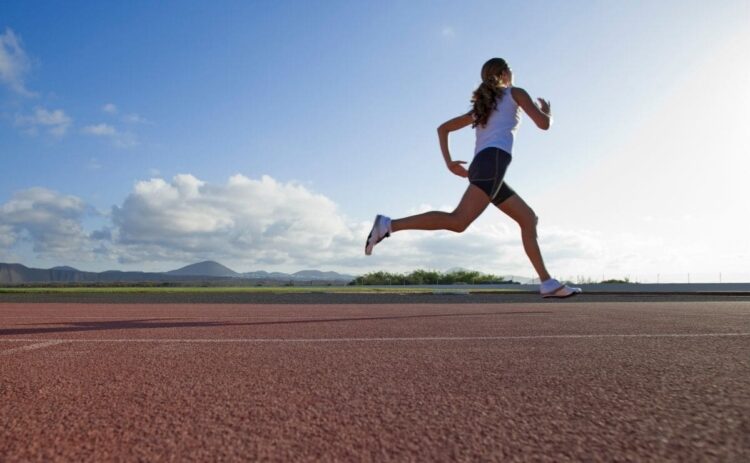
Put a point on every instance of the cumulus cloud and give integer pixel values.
(130, 118)
(56, 122)
(7, 236)
(99, 130)
(49, 220)
(266, 224)
(120, 139)
(14, 63)
(256, 221)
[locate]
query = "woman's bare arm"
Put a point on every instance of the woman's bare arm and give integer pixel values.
(445, 128)
(541, 114)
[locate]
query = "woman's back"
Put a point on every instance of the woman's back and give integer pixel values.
(501, 127)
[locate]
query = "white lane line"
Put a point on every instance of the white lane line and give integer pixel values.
(40, 345)
(382, 339)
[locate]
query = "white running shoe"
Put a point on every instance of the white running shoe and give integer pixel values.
(380, 229)
(553, 288)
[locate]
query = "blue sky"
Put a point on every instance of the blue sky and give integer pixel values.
(336, 104)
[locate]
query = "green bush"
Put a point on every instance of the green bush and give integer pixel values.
(427, 277)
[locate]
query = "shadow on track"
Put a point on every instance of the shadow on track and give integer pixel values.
(155, 323)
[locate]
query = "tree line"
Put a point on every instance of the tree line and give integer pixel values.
(428, 277)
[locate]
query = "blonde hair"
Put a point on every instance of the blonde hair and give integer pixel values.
(486, 96)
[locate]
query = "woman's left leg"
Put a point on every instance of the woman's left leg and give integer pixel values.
(472, 204)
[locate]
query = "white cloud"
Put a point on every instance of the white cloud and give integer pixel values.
(56, 122)
(7, 236)
(14, 63)
(49, 220)
(120, 139)
(253, 221)
(266, 224)
(100, 130)
(130, 118)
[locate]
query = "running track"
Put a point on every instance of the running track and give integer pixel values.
(440, 378)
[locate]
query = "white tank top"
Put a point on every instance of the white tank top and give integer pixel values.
(501, 126)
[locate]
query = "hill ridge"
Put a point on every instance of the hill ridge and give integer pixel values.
(15, 273)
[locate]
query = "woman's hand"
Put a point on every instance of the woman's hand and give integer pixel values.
(544, 105)
(457, 168)
(539, 112)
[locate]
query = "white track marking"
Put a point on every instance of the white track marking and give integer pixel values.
(40, 345)
(384, 339)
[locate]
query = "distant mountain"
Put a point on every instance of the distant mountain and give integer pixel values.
(20, 274)
(17, 273)
(65, 267)
(208, 271)
(215, 269)
(208, 268)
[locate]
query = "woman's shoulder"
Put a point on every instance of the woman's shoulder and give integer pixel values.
(518, 94)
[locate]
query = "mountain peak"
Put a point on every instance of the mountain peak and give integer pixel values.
(65, 267)
(205, 268)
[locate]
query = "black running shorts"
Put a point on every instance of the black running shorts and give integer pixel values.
(487, 171)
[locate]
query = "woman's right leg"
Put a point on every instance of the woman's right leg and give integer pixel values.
(473, 203)
(517, 209)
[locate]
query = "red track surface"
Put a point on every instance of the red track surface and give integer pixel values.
(546, 382)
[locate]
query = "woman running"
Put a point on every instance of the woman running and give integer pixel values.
(495, 115)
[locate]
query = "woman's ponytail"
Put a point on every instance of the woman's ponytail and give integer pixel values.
(485, 98)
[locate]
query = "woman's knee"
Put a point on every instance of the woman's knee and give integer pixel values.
(458, 223)
(461, 227)
(528, 223)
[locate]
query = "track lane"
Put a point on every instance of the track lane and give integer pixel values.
(625, 381)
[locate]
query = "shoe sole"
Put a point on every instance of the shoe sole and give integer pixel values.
(368, 245)
(553, 294)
